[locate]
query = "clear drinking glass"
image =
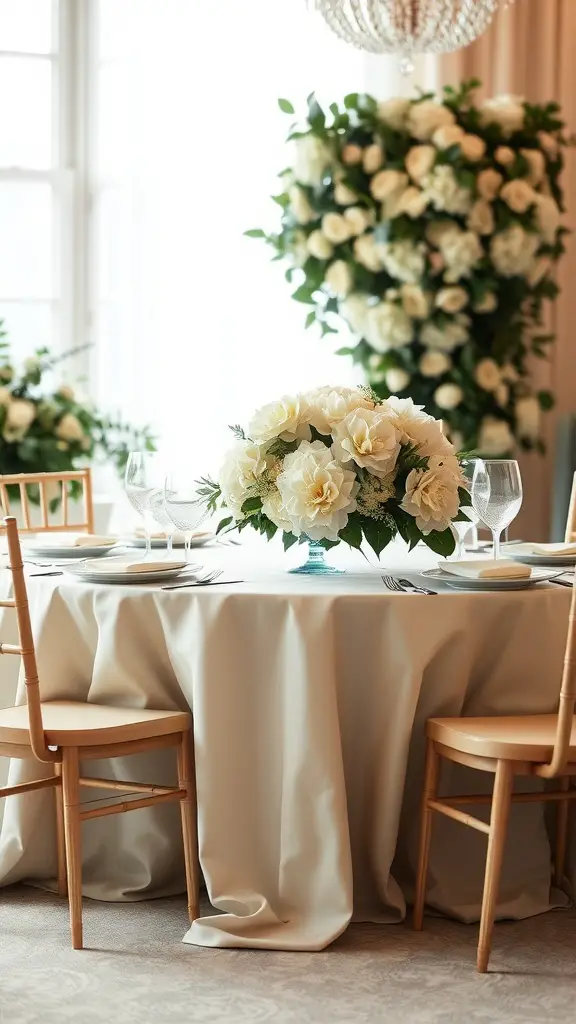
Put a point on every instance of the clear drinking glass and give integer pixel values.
(466, 529)
(140, 484)
(185, 507)
(160, 516)
(496, 495)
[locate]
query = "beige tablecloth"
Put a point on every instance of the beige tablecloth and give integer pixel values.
(310, 698)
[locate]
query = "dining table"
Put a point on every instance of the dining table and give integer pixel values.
(310, 696)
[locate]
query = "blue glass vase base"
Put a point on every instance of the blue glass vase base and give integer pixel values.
(316, 564)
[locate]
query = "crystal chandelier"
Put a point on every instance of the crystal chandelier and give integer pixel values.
(408, 27)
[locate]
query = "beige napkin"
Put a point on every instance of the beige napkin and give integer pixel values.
(93, 540)
(554, 550)
(487, 570)
(120, 565)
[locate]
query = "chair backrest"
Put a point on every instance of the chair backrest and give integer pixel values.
(52, 492)
(567, 700)
(571, 520)
(25, 648)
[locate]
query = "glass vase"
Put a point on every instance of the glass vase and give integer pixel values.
(316, 564)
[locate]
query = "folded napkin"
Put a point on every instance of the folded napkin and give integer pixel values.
(554, 550)
(120, 565)
(487, 570)
(92, 540)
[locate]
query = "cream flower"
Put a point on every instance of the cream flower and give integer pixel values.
(415, 302)
(473, 148)
(462, 250)
(448, 136)
(299, 248)
(69, 428)
(317, 493)
(512, 251)
(242, 466)
(486, 305)
(319, 246)
(387, 327)
(300, 207)
(412, 202)
(329, 406)
(537, 164)
(385, 183)
(510, 373)
(549, 144)
(487, 374)
(66, 392)
(286, 418)
(518, 195)
(416, 427)
(502, 395)
(352, 154)
(312, 159)
(488, 183)
(432, 495)
(438, 230)
(434, 364)
(448, 396)
(396, 379)
(420, 161)
(505, 111)
(5, 396)
(369, 438)
(343, 195)
(404, 260)
(445, 192)
(354, 309)
(527, 415)
(19, 415)
(373, 158)
(481, 218)
(338, 278)
(394, 111)
(367, 252)
(426, 116)
(273, 508)
(358, 219)
(446, 339)
(335, 228)
(539, 269)
(451, 300)
(505, 156)
(495, 437)
(548, 217)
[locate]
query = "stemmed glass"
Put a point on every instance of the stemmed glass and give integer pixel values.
(184, 505)
(496, 495)
(140, 484)
(462, 529)
(160, 516)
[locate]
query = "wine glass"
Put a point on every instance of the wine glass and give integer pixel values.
(140, 484)
(160, 516)
(462, 529)
(185, 506)
(496, 495)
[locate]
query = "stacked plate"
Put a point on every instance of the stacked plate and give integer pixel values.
(197, 541)
(122, 570)
(541, 554)
(537, 575)
(68, 546)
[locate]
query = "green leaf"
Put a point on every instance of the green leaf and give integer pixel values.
(442, 543)
(285, 106)
(255, 233)
(303, 294)
(546, 400)
(351, 101)
(224, 523)
(377, 535)
(288, 540)
(352, 534)
(251, 505)
(310, 319)
(465, 498)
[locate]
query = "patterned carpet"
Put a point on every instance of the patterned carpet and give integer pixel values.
(136, 971)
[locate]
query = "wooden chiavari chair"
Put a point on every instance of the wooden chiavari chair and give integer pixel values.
(50, 486)
(571, 520)
(543, 746)
(63, 733)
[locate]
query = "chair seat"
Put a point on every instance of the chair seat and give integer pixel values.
(514, 738)
(74, 723)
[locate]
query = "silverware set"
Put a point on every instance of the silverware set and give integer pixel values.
(401, 586)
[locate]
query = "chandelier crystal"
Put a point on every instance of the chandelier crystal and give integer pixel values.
(408, 27)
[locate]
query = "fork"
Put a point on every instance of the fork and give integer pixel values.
(404, 586)
(203, 581)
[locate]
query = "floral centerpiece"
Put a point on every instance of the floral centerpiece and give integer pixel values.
(47, 427)
(342, 464)
(431, 229)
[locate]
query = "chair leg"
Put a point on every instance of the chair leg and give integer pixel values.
(501, 799)
(428, 793)
(72, 828)
(60, 835)
(561, 833)
(188, 811)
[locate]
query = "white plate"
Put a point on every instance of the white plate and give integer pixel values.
(56, 551)
(520, 554)
(501, 583)
(154, 576)
(159, 542)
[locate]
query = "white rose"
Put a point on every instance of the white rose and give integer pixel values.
(452, 300)
(487, 374)
(412, 202)
(5, 396)
(387, 327)
(438, 230)
(69, 428)
(426, 116)
(481, 218)
(338, 278)
(319, 246)
(329, 405)
(242, 466)
(506, 111)
(66, 392)
(495, 437)
(527, 414)
(404, 260)
(445, 192)
(287, 418)
(462, 250)
(420, 161)
(273, 508)
(432, 495)
(352, 154)
(488, 183)
(358, 219)
(312, 159)
(448, 136)
(505, 156)
(385, 183)
(19, 415)
(415, 303)
(448, 396)
(335, 228)
(512, 251)
(446, 338)
(502, 395)
(486, 305)
(366, 252)
(548, 217)
(539, 269)
(473, 148)
(369, 438)
(549, 144)
(317, 493)
(396, 379)
(355, 311)
(393, 112)
(537, 164)
(373, 158)
(300, 207)
(417, 428)
(518, 195)
(434, 364)
(343, 195)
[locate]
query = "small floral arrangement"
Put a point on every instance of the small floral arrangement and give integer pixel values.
(432, 229)
(342, 464)
(49, 428)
